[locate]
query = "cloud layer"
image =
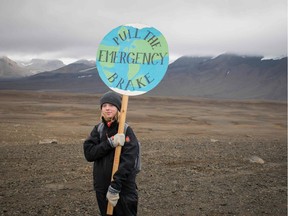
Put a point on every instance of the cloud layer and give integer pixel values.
(72, 29)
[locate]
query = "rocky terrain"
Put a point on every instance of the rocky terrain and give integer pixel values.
(200, 156)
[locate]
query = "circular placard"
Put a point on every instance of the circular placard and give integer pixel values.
(132, 59)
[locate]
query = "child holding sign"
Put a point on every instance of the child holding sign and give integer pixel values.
(99, 148)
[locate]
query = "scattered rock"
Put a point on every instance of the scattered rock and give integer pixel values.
(48, 141)
(214, 140)
(256, 159)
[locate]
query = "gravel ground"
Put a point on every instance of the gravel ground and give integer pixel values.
(203, 170)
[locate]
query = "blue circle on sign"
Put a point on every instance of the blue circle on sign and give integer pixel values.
(132, 59)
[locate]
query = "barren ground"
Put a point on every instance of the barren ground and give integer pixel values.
(199, 156)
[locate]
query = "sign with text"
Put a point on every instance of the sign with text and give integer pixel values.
(132, 59)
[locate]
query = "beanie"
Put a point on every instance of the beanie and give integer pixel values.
(111, 98)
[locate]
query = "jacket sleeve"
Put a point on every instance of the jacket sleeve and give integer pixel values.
(127, 160)
(93, 148)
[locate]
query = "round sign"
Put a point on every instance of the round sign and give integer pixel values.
(132, 59)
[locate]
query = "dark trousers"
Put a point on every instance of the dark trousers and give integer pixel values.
(126, 205)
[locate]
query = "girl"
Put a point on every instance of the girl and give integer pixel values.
(99, 148)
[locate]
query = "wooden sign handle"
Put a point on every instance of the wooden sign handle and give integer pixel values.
(118, 149)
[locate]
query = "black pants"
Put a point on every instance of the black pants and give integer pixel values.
(126, 205)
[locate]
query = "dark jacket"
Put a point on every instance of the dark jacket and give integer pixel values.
(102, 154)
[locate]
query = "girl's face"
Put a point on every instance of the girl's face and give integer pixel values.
(109, 111)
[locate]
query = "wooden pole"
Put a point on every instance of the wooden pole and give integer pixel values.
(118, 149)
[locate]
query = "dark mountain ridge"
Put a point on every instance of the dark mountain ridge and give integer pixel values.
(226, 76)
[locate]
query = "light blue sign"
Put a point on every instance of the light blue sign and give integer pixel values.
(132, 59)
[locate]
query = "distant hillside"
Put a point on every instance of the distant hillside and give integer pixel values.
(226, 76)
(41, 65)
(80, 76)
(90, 63)
(10, 69)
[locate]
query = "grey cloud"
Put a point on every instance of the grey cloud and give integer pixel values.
(74, 28)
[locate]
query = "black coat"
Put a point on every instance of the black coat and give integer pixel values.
(102, 154)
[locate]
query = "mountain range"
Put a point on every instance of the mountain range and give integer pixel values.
(226, 76)
(10, 69)
(35, 66)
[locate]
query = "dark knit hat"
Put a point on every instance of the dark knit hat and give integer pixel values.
(111, 98)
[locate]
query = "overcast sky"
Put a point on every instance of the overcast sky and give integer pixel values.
(72, 29)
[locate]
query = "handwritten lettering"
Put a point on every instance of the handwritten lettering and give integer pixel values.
(131, 57)
(128, 34)
(138, 83)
